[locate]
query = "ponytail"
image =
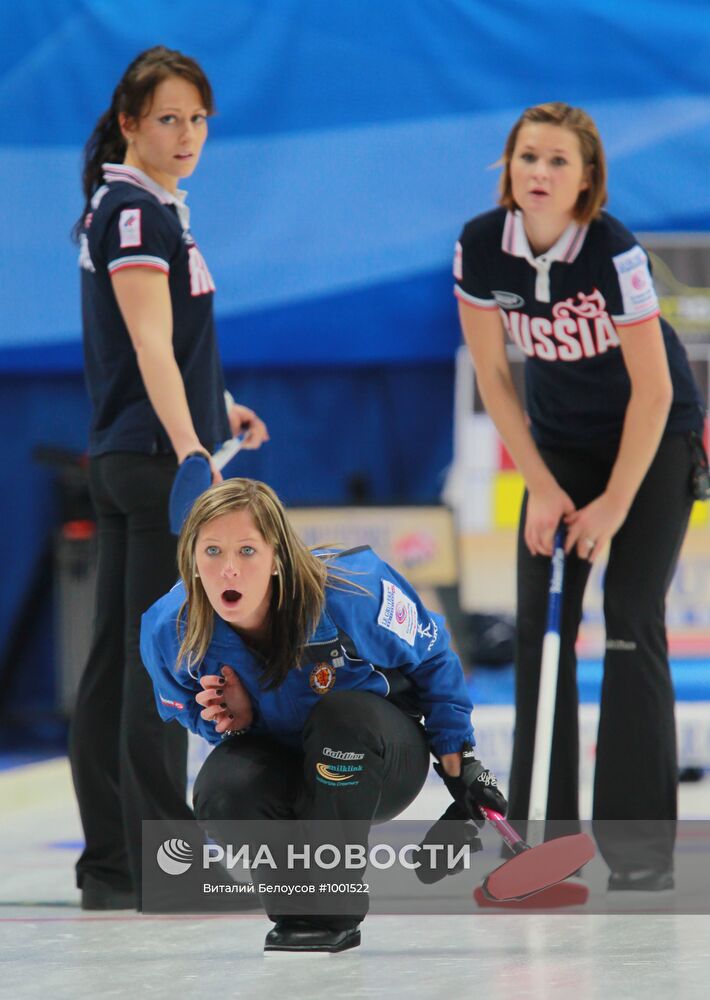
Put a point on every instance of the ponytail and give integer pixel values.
(105, 145)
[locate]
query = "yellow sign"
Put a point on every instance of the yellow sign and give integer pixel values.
(687, 308)
(488, 561)
(508, 488)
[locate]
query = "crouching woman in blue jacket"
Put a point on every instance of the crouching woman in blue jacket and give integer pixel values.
(302, 667)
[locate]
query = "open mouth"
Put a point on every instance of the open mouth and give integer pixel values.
(231, 597)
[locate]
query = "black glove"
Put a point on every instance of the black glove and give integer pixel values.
(475, 786)
(454, 830)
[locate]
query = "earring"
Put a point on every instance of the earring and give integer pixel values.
(275, 573)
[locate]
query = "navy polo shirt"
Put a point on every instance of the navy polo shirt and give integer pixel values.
(563, 309)
(134, 222)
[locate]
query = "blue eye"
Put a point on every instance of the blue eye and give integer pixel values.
(167, 119)
(212, 550)
(248, 550)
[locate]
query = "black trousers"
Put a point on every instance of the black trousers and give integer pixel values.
(636, 771)
(255, 778)
(127, 764)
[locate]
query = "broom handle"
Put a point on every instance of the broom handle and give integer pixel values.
(547, 695)
(511, 836)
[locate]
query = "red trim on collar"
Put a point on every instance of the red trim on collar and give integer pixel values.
(575, 245)
(509, 241)
(509, 234)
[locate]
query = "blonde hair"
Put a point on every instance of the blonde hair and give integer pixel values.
(298, 592)
(590, 201)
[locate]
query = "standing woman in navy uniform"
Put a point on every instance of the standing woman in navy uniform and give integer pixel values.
(155, 382)
(606, 447)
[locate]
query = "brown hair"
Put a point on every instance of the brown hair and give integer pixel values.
(298, 592)
(593, 198)
(132, 97)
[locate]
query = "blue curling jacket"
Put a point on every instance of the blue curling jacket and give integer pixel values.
(359, 639)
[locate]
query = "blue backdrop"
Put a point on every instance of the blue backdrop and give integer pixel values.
(353, 139)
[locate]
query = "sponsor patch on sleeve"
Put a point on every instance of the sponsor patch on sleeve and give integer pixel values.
(458, 262)
(171, 703)
(398, 613)
(637, 292)
(129, 227)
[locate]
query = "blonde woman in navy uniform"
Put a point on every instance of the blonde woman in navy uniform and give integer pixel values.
(322, 662)
(155, 382)
(606, 447)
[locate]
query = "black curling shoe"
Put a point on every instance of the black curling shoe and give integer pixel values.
(647, 880)
(302, 937)
(98, 895)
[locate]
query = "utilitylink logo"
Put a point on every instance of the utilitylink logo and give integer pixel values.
(387, 610)
(174, 857)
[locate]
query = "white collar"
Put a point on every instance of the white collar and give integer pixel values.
(565, 250)
(114, 172)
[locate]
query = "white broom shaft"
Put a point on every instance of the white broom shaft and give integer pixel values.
(547, 693)
(546, 701)
(228, 450)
